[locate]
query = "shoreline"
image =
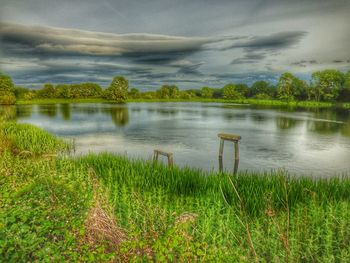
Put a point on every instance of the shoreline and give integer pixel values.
(296, 104)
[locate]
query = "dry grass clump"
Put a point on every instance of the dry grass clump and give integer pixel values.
(101, 229)
(101, 225)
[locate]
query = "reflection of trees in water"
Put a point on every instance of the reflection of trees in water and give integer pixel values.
(327, 123)
(256, 117)
(345, 130)
(7, 113)
(284, 123)
(65, 111)
(88, 110)
(323, 127)
(48, 110)
(120, 115)
(24, 111)
(233, 115)
(168, 112)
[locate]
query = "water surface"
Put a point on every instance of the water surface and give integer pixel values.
(311, 142)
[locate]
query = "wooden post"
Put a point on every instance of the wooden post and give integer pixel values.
(235, 169)
(221, 153)
(235, 139)
(166, 154)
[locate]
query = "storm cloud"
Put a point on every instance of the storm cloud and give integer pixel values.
(188, 43)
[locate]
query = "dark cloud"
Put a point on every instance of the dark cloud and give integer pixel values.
(249, 58)
(271, 42)
(304, 63)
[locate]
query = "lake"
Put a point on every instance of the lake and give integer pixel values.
(304, 142)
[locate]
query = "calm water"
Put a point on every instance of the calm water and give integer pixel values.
(313, 142)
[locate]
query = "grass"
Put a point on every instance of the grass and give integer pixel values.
(109, 208)
(301, 104)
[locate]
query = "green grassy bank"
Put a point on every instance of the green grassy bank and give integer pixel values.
(302, 104)
(107, 208)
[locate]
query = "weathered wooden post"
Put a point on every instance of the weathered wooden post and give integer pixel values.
(235, 139)
(166, 154)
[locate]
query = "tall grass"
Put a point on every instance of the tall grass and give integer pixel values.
(30, 139)
(248, 217)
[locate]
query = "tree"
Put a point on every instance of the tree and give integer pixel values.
(168, 92)
(7, 95)
(344, 94)
(261, 90)
(327, 84)
(20, 92)
(243, 89)
(135, 93)
(206, 92)
(289, 87)
(230, 92)
(47, 92)
(118, 90)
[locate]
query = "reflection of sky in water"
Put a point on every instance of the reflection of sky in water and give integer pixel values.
(315, 141)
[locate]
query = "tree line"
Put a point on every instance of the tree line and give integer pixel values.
(326, 85)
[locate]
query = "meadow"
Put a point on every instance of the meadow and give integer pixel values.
(54, 208)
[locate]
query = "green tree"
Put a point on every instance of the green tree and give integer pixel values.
(20, 92)
(47, 92)
(168, 92)
(135, 93)
(261, 90)
(207, 92)
(243, 89)
(327, 84)
(230, 92)
(344, 94)
(7, 95)
(118, 90)
(63, 91)
(289, 87)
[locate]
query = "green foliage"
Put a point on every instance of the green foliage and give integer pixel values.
(290, 87)
(261, 89)
(20, 92)
(134, 93)
(243, 89)
(32, 140)
(168, 92)
(118, 90)
(47, 92)
(230, 92)
(327, 84)
(206, 92)
(7, 96)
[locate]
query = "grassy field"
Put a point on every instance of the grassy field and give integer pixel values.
(302, 104)
(107, 208)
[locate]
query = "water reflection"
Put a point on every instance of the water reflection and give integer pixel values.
(65, 110)
(285, 123)
(48, 110)
(119, 114)
(25, 111)
(299, 140)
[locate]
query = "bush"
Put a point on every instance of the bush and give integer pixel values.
(7, 98)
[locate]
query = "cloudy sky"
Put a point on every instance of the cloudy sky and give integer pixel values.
(187, 43)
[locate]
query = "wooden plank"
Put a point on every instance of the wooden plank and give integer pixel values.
(229, 137)
(162, 152)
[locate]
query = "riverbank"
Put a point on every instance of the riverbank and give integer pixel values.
(301, 104)
(104, 207)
